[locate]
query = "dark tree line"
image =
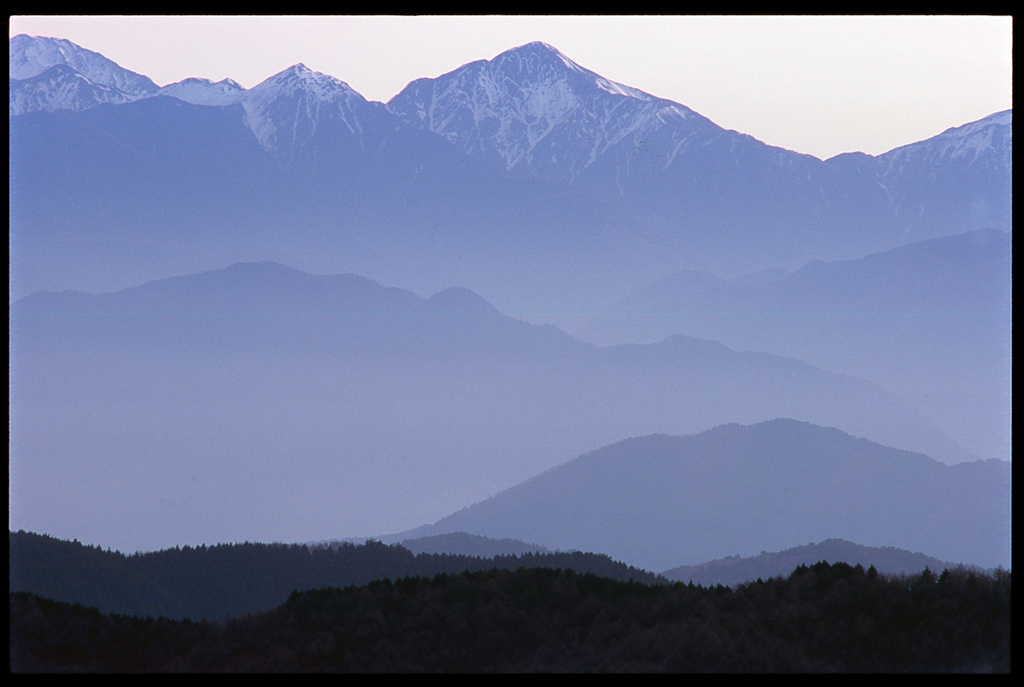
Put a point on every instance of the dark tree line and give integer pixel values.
(821, 618)
(227, 580)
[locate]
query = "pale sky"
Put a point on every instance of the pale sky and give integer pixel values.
(817, 85)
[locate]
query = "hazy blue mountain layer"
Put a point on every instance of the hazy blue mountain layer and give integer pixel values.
(213, 406)
(471, 545)
(733, 570)
(661, 501)
(242, 399)
(929, 321)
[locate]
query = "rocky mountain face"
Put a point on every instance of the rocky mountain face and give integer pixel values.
(285, 111)
(535, 111)
(60, 88)
(31, 56)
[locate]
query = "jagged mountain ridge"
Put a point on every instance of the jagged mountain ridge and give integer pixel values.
(284, 111)
(532, 107)
(60, 88)
(513, 107)
(30, 56)
(535, 111)
(204, 91)
(297, 93)
(649, 184)
(527, 92)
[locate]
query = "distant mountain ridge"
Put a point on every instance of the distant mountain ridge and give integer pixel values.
(626, 187)
(531, 108)
(735, 570)
(656, 500)
(973, 161)
(205, 92)
(306, 387)
(904, 318)
(60, 88)
(464, 544)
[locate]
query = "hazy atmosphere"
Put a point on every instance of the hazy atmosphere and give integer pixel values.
(510, 343)
(669, 289)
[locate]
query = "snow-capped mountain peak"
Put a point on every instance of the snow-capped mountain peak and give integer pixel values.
(32, 55)
(526, 57)
(533, 108)
(204, 91)
(299, 77)
(286, 108)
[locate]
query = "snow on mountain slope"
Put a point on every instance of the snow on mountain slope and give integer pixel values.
(964, 174)
(976, 138)
(285, 110)
(707, 197)
(59, 88)
(31, 56)
(204, 91)
(533, 108)
(969, 143)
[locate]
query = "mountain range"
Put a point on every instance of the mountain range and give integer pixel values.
(198, 302)
(730, 571)
(527, 159)
(334, 402)
(31, 58)
(929, 321)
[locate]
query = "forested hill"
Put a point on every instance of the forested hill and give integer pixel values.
(229, 580)
(733, 570)
(821, 618)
